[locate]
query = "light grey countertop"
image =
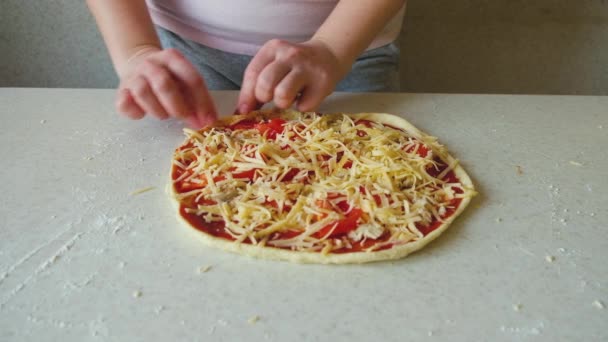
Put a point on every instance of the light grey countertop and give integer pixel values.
(82, 258)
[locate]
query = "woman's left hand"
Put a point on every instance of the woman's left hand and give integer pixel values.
(286, 72)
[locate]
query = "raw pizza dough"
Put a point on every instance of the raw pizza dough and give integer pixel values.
(267, 252)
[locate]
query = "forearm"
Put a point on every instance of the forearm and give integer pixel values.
(352, 26)
(126, 28)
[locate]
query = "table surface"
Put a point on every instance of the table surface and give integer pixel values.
(83, 258)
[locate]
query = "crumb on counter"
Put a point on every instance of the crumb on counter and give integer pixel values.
(204, 269)
(575, 163)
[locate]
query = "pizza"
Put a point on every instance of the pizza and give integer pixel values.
(319, 188)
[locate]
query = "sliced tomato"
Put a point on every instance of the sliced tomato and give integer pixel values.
(288, 234)
(271, 128)
(343, 205)
(364, 122)
(243, 125)
(188, 186)
(274, 204)
(422, 151)
(343, 226)
(376, 197)
(205, 201)
(323, 204)
(290, 174)
(249, 174)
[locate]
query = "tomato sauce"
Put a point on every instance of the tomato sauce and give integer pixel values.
(218, 229)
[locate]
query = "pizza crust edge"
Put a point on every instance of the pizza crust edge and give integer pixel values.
(272, 253)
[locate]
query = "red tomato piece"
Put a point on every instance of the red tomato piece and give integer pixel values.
(249, 174)
(290, 174)
(343, 226)
(271, 128)
(343, 205)
(243, 125)
(364, 122)
(422, 151)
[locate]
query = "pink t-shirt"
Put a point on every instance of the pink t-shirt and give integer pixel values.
(243, 26)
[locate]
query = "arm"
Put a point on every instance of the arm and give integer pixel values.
(282, 70)
(126, 28)
(153, 81)
(353, 25)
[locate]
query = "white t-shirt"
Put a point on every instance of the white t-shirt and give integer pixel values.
(243, 26)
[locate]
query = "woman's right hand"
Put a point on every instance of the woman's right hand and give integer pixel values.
(164, 84)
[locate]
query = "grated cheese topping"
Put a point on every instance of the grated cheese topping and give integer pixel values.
(321, 183)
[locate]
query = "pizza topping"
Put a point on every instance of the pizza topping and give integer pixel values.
(312, 182)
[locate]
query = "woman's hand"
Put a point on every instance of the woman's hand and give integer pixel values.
(164, 84)
(286, 72)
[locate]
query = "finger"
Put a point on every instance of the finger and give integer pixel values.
(288, 89)
(268, 79)
(125, 103)
(197, 96)
(311, 97)
(166, 89)
(247, 99)
(257, 106)
(146, 99)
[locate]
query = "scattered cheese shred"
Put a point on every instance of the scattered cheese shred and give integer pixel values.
(142, 190)
(294, 189)
(598, 304)
(253, 319)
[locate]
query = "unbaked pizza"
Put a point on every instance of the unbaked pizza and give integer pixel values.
(312, 187)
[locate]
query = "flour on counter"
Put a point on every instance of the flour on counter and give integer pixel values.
(52, 260)
(598, 304)
(532, 330)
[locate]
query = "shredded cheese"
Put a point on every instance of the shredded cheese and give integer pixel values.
(297, 190)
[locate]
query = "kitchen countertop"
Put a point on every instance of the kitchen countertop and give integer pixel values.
(83, 258)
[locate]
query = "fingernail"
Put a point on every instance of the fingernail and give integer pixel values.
(243, 109)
